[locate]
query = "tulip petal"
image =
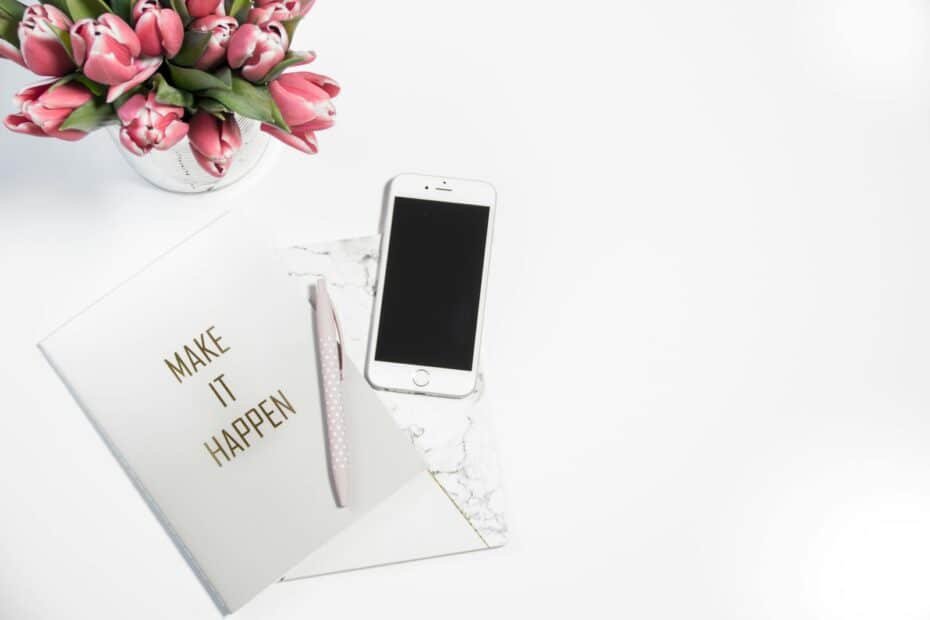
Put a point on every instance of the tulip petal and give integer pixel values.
(242, 45)
(172, 32)
(173, 134)
(78, 43)
(31, 93)
(306, 5)
(260, 67)
(260, 15)
(71, 135)
(202, 8)
(130, 144)
(221, 30)
(214, 168)
(122, 32)
(147, 31)
(325, 82)
(130, 109)
(69, 96)
(21, 124)
(55, 15)
(140, 8)
(108, 62)
(9, 51)
(306, 142)
(146, 68)
(45, 56)
(204, 135)
(230, 136)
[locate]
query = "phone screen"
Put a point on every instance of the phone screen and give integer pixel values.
(432, 284)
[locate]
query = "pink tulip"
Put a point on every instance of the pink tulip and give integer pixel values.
(257, 49)
(149, 125)
(221, 29)
(278, 10)
(43, 110)
(107, 50)
(304, 101)
(160, 31)
(214, 142)
(42, 50)
(202, 8)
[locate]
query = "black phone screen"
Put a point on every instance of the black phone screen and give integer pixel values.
(432, 284)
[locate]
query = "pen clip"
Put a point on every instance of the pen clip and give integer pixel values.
(339, 341)
(322, 303)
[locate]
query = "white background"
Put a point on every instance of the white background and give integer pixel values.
(707, 326)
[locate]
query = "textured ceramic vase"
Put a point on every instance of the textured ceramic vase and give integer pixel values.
(176, 170)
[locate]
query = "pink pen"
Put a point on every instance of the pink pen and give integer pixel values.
(330, 351)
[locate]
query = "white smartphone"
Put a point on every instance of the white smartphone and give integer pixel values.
(432, 279)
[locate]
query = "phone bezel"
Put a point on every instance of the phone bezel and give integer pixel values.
(399, 377)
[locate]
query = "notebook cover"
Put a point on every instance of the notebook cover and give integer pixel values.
(200, 374)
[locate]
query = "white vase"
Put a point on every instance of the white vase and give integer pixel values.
(176, 170)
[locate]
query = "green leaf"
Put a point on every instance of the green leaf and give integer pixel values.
(65, 37)
(277, 116)
(192, 49)
(250, 101)
(63, 80)
(61, 5)
(212, 106)
(9, 31)
(169, 95)
(224, 74)
(291, 26)
(239, 9)
(89, 116)
(98, 90)
(180, 7)
(194, 79)
(81, 9)
(123, 8)
(12, 8)
(291, 59)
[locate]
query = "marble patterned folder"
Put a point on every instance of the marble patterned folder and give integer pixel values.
(453, 436)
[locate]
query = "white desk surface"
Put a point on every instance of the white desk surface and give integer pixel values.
(707, 324)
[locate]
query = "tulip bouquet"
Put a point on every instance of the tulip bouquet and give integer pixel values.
(166, 69)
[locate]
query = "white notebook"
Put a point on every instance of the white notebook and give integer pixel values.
(200, 374)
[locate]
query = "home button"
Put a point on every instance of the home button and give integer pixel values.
(421, 378)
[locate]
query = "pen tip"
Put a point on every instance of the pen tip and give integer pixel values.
(340, 482)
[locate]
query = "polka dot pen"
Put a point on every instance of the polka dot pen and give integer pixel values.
(330, 352)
